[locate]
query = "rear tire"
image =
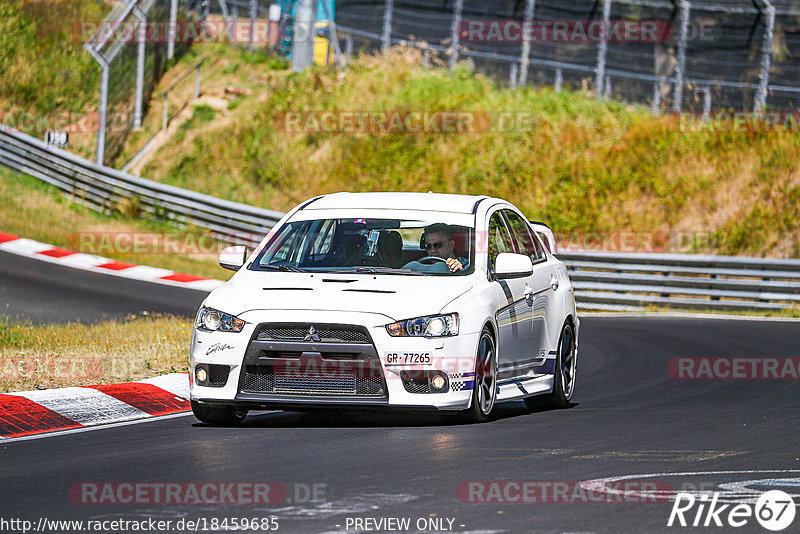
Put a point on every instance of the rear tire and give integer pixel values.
(563, 374)
(484, 389)
(219, 415)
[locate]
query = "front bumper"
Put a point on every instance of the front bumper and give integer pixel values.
(284, 374)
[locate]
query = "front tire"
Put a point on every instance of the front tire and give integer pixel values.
(218, 415)
(484, 389)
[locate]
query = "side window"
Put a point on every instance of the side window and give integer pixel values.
(499, 239)
(526, 242)
(288, 247)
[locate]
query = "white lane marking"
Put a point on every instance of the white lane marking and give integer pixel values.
(175, 383)
(685, 315)
(356, 504)
(86, 406)
(25, 246)
(81, 261)
(57, 433)
(603, 484)
(143, 272)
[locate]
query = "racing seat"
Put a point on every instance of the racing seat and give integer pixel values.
(390, 248)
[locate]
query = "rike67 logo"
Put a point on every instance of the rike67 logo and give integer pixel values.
(774, 510)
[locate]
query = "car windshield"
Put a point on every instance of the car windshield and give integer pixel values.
(370, 246)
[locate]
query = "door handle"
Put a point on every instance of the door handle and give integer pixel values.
(528, 295)
(554, 282)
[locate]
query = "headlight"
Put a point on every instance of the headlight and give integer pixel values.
(429, 326)
(211, 320)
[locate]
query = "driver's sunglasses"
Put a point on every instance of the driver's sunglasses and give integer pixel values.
(429, 246)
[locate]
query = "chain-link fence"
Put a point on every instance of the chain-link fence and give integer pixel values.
(672, 55)
(132, 47)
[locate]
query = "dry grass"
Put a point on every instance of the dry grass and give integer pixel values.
(39, 211)
(51, 356)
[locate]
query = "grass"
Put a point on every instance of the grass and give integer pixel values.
(51, 356)
(45, 68)
(39, 211)
(582, 165)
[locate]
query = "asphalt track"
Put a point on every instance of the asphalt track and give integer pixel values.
(628, 418)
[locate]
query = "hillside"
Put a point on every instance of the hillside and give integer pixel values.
(595, 170)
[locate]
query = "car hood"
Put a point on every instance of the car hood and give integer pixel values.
(394, 296)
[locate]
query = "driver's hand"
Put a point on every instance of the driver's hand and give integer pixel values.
(454, 265)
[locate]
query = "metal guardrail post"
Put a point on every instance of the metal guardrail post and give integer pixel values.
(303, 36)
(513, 75)
(760, 100)
(680, 66)
(253, 15)
(530, 7)
(559, 81)
(655, 106)
(165, 120)
(141, 36)
(173, 19)
(102, 110)
(602, 52)
(197, 80)
(458, 7)
(348, 47)
(386, 37)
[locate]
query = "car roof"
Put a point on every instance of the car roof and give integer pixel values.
(393, 201)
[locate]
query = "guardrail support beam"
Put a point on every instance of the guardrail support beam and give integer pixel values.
(458, 7)
(602, 52)
(386, 37)
(760, 100)
(680, 66)
(530, 8)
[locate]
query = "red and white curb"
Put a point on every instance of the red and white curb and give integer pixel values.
(89, 262)
(26, 413)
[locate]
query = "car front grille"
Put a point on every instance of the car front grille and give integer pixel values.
(342, 363)
(300, 332)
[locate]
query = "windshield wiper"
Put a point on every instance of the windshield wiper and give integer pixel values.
(287, 268)
(383, 270)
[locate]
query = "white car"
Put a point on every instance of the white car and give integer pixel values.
(402, 300)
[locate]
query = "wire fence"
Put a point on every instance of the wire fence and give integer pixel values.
(131, 66)
(679, 55)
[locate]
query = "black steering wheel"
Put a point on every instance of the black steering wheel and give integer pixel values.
(430, 260)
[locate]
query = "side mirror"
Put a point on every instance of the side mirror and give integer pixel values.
(510, 265)
(232, 258)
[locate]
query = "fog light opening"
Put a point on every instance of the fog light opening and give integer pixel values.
(438, 382)
(201, 375)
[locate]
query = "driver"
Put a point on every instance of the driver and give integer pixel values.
(440, 241)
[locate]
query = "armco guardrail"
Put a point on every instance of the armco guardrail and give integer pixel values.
(636, 281)
(603, 280)
(103, 187)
